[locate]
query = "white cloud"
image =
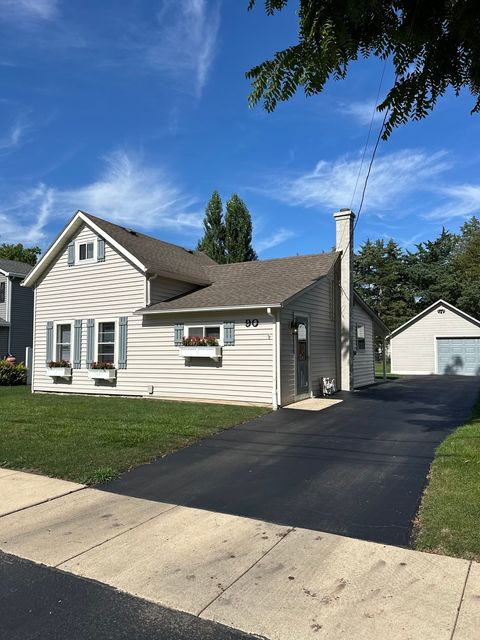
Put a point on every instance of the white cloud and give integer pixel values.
(15, 135)
(277, 237)
(28, 10)
(184, 43)
(361, 111)
(394, 176)
(459, 201)
(128, 192)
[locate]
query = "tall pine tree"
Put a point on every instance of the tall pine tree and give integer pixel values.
(430, 270)
(381, 278)
(466, 267)
(238, 232)
(213, 241)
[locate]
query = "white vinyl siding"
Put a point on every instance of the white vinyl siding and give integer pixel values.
(114, 288)
(162, 289)
(98, 290)
(413, 349)
(363, 359)
(316, 304)
(4, 302)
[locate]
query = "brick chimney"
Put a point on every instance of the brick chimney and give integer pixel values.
(344, 220)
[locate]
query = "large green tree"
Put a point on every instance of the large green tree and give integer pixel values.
(20, 253)
(431, 272)
(213, 241)
(238, 231)
(466, 267)
(433, 45)
(381, 278)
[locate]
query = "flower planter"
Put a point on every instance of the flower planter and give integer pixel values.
(201, 352)
(59, 372)
(102, 374)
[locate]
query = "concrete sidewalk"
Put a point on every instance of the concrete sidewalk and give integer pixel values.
(265, 579)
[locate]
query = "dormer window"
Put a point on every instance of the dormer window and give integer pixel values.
(85, 251)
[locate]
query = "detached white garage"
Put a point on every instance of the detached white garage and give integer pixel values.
(441, 340)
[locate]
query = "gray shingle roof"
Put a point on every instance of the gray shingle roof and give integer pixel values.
(158, 256)
(14, 266)
(262, 283)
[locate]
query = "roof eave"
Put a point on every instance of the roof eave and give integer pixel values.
(76, 222)
(380, 324)
(406, 324)
(145, 311)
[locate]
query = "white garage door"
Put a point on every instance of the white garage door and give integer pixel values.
(460, 356)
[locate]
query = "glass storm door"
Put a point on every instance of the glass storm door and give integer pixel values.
(303, 383)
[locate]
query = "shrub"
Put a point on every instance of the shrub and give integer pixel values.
(12, 374)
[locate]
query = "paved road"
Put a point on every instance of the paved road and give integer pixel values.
(38, 603)
(357, 469)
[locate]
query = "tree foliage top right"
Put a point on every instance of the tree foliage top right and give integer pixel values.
(433, 44)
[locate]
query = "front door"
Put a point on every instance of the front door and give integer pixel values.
(302, 356)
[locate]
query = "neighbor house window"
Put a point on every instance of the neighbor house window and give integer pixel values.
(360, 337)
(204, 331)
(106, 342)
(86, 251)
(64, 342)
(2, 291)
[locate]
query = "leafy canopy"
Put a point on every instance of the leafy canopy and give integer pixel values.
(433, 45)
(20, 253)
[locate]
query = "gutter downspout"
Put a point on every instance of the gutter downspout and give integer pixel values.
(275, 358)
(8, 315)
(147, 289)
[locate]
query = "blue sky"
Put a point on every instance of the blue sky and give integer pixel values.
(137, 110)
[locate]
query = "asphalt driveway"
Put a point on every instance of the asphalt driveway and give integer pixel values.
(356, 469)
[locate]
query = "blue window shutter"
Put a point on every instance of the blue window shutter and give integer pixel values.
(90, 342)
(71, 254)
(100, 250)
(49, 350)
(229, 333)
(77, 344)
(178, 332)
(122, 342)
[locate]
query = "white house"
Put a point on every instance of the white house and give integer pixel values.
(105, 293)
(440, 340)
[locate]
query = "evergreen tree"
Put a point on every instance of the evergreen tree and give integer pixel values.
(381, 278)
(213, 241)
(238, 232)
(466, 267)
(431, 271)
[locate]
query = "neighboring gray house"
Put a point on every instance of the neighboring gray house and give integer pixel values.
(16, 309)
(441, 339)
(107, 293)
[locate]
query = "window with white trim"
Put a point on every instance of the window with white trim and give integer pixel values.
(2, 292)
(106, 342)
(205, 331)
(86, 251)
(360, 337)
(63, 342)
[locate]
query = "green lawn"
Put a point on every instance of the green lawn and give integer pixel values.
(379, 371)
(91, 439)
(449, 516)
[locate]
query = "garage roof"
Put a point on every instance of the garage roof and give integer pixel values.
(438, 303)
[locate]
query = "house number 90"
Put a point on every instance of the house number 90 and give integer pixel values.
(251, 323)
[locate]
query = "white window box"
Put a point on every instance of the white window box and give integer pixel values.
(201, 352)
(102, 374)
(59, 372)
